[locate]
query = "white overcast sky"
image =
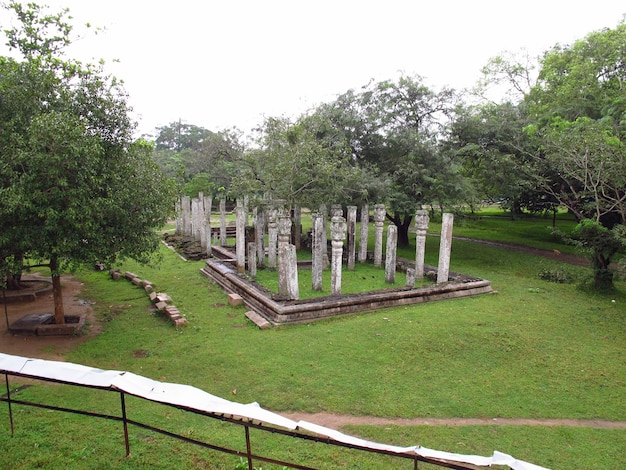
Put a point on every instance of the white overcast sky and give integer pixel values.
(219, 64)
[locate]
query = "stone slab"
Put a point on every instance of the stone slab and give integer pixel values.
(258, 320)
(28, 324)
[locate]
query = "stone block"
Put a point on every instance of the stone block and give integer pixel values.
(234, 300)
(130, 276)
(180, 322)
(160, 306)
(153, 297)
(136, 281)
(148, 288)
(116, 275)
(163, 297)
(258, 320)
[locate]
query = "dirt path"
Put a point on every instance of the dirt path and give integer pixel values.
(335, 421)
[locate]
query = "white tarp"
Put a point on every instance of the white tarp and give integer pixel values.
(194, 398)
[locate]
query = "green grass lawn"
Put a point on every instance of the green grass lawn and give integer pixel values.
(534, 349)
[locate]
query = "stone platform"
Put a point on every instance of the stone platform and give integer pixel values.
(42, 324)
(282, 312)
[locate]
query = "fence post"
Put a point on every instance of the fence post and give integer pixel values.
(248, 447)
(125, 424)
(6, 379)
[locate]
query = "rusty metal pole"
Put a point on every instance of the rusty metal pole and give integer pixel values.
(6, 379)
(125, 424)
(248, 447)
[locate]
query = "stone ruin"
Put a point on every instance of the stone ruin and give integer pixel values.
(235, 270)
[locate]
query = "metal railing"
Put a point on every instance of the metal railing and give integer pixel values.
(249, 455)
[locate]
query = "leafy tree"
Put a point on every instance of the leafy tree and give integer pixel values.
(579, 106)
(392, 129)
(75, 186)
(178, 135)
(201, 160)
(289, 162)
(495, 154)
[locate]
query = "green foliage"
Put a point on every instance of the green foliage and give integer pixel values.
(76, 188)
(292, 164)
(199, 159)
(559, 275)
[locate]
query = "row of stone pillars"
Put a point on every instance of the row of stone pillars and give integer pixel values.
(194, 217)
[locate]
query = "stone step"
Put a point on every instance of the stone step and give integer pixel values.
(258, 320)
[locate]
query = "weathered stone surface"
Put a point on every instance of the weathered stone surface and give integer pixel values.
(282, 312)
(234, 300)
(240, 243)
(180, 322)
(351, 237)
(379, 221)
(338, 235)
(364, 232)
(258, 320)
(390, 254)
(160, 306)
(317, 265)
(445, 248)
(421, 227)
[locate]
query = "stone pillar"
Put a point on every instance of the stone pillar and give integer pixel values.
(421, 226)
(338, 235)
(195, 219)
(336, 210)
(223, 222)
(297, 225)
(252, 260)
(319, 238)
(324, 213)
(390, 254)
(260, 236)
(179, 217)
(351, 237)
(410, 277)
(201, 233)
(379, 221)
(185, 203)
(287, 260)
(208, 202)
(445, 248)
(272, 231)
(364, 232)
(240, 242)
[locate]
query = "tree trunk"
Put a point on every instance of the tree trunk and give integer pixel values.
(59, 312)
(602, 275)
(403, 225)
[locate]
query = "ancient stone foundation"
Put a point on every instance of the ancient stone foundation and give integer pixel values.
(279, 311)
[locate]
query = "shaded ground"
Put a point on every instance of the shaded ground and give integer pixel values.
(45, 347)
(554, 255)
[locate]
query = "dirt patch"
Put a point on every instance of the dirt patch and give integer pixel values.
(335, 421)
(46, 347)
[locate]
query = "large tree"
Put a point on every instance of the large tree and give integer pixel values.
(579, 106)
(393, 129)
(201, 160)
(290, 162)
(76, 188)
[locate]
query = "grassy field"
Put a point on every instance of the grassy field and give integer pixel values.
(533, 350)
